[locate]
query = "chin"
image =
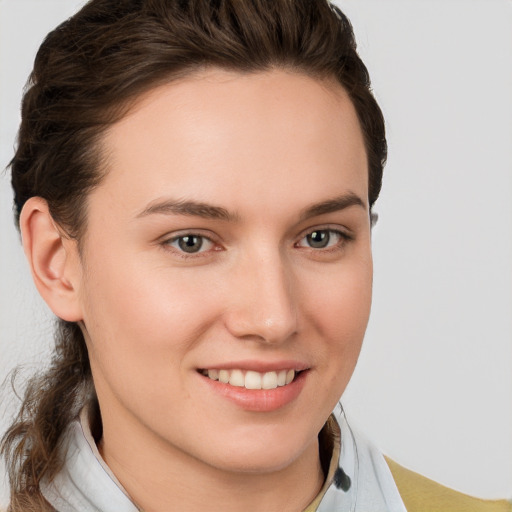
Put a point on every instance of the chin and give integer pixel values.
(262, 455)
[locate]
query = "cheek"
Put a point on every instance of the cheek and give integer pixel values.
(144, 319)
(341, 299)
(339, 311)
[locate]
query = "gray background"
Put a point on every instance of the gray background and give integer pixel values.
(433, 387)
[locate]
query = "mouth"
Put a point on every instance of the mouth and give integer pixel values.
(250, 379)
(254, 386)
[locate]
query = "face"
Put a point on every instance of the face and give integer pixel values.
(227, 267)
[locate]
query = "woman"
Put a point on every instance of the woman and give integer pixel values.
(194, 186)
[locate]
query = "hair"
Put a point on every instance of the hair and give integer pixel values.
(87, 74)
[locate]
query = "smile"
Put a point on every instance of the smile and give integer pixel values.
(250, 379)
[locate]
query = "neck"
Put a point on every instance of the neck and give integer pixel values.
(161, 477)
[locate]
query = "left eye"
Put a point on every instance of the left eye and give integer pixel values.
(321, 239)
(191, 243)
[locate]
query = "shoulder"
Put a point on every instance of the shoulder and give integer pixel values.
(421, 494)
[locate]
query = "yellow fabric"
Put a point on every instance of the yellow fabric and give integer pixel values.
(421, 494)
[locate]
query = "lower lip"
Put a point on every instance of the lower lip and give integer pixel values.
(259, 400)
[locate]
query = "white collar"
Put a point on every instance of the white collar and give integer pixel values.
(372, 487)
(86, 484)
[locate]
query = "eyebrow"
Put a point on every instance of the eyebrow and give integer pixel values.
(332, 205)
(189, 208)
(208, 211)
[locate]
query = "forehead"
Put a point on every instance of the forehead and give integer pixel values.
(219, 134)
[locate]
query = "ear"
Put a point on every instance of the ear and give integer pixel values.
(53, 258)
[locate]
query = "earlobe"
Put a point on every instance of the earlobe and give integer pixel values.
(53, 259)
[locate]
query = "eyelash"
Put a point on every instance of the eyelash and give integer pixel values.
(343, 238)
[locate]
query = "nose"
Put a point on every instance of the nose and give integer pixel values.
(262, 301)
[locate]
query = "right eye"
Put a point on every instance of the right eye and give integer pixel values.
(190, 243)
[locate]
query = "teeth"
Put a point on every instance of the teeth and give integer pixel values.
(213, 374)
(269, 380)
(237, 378)
(251, 379)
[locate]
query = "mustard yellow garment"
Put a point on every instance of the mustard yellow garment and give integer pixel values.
(421, 494)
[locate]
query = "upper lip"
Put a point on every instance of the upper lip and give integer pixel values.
(258, 366)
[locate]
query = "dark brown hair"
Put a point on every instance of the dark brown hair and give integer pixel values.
(87, 73)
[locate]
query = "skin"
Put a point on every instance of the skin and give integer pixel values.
(265, 148)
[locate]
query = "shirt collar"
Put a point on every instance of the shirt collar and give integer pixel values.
(358, 478)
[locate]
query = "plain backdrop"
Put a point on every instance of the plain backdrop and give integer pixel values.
(433, 387)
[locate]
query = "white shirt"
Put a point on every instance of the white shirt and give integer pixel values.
(86, 484)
